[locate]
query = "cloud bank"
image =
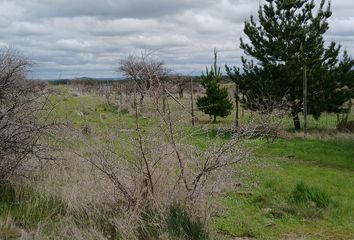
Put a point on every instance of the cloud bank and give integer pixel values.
(76, 38)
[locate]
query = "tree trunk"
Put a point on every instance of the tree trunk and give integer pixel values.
(296, 120)
(141, 98)
(214, 121)
(180, 92)
(237, 106)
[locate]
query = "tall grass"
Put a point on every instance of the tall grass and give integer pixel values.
(29, 207)
(181, 226)
(306, 195)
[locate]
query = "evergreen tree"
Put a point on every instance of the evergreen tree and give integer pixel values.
(287, 41)
(216, 102)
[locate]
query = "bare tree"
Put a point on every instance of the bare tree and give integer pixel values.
(23, 115)
(181, 82)
(269, 118)
(156, 166)
(144, 70)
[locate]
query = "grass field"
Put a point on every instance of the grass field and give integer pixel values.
(267, 212)
(261, 207)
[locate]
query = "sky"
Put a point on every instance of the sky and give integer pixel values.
(76, 38)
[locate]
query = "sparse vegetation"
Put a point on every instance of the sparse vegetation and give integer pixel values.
(79, 197)
(135, 159)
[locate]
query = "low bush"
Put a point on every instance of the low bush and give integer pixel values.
(310, 196)
(181, 226)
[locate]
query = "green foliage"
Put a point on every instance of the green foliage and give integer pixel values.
(263, 205)
(177, 224)
(7, 192)
(30, 207)
(181, 226)
(305, 195)
(288, 38)
(151, 225)
(216, 102)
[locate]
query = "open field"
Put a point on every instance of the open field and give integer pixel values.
(260, 206)
(266, 212)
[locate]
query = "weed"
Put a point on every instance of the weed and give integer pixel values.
(7, 193)
(30, 207)
(311, 196)
(151, 225)
(181, 226)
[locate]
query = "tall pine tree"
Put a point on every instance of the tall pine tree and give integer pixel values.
(216, 102)
(287, 41)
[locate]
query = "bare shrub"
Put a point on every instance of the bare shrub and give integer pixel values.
(269, 121)
(343, 122)
(85, 86)
(155, 167)
(153, 170)
(181, 83)
(346, 126)
(23, 115)
(144, 70)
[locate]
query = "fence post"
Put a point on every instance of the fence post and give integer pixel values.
(236, 103)
(192, 102)
(305, 100)
(164, 97)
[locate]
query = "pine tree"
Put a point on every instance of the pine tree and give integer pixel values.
(216, 102)
(287, 41)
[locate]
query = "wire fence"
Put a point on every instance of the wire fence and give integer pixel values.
(325, 121)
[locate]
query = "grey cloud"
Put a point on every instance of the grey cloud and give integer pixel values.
(341, 27)
(108, 8)
(88, 37)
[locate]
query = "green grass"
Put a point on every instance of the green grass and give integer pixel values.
(29, 209)
(181, 226)
(264, 207)
(268, 212)
(94, 110)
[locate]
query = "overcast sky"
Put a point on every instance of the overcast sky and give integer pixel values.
(75, 38)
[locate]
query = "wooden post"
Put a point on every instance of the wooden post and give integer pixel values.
(136, 108)
(305, 99)
(192, 102)
(127, 94)
(164, 97)
(120, 96)
(236, 103)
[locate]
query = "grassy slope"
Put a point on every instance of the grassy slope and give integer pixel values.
(327, 164)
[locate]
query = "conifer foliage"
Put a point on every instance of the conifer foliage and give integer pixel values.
(216, 102)
(287, 42)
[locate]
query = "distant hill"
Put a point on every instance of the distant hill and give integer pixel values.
(86, 78)
(66, 81)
